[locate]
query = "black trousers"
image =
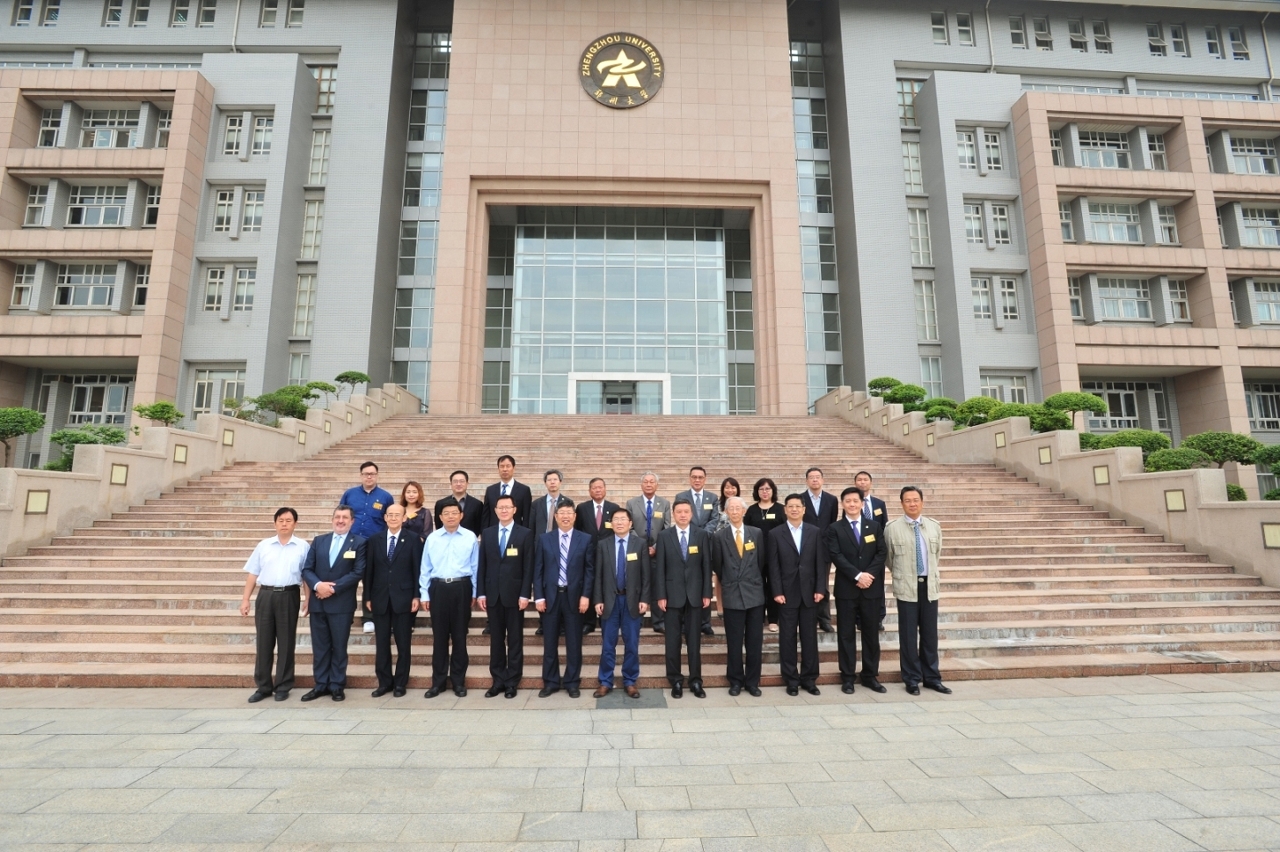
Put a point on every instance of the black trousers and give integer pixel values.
(450, 615)
(854, 613)
(506, 645)
(275, 620)
(804, 620)
(563, 613)
(918, 618)
(385, 626)
(771, 606)
(744, 626)
(330, 632)
(824, 612)
(685, 620)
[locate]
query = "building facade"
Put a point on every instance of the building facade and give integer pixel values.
(660, 207)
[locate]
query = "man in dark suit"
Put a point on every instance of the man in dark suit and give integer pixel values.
(334, 566)
(738, 559)
(682, 587)
(874, 509)
(706, 515)
(542, 515)
(595, 518)
(563, 575)
(507, 484)
(504, 580)
(798, 572)
(472, 507)
(821, 510)
(392, 565)
(857, 547)
(621, 597)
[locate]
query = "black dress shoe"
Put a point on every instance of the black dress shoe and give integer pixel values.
(485, 632)
(492, 691)
(380, 691)
(882, 627)
(697, 690)
(754, 691)
(707, 631)
(338, 694)
(812, 689)
(461, 692)
(511, 692)
(913, 689)
(875, 686)
(847, 687)
(588, 628)
(677, 690)
(314, 694)
(938, 687)
(793, 690)
(573, 691)
(538, 632)
(282, 695)
(827, 628)
(258, 696)
(735, 690)
(660, 629)
(548, 691)
(432, 692)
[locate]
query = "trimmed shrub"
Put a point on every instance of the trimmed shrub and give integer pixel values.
(16, 422)
(164, 413)
(1273, 494)
(1269, 457)
(350, 379)
(1146, 439)
(1090, 441)
(1071, 402)
(1235, 493)
(975, 410)
(939, 412)
(1182, 458)
(1225, 447)
(1042, 419)
(905, 394)
(877, 386)
(90, 433)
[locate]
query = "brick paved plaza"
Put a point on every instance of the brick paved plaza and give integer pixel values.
(1137, 763)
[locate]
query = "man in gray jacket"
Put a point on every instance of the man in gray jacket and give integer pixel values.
(738, 558)
(652, 515)
(914, 544)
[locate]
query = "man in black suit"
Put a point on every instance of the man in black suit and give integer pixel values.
(595, 518)
(682, 587)
(563, 576)
(393, 561)
(798, 572)
(333, 568)
(504, 580)
(820, 509)
(506, 484)
(738, 562)
(542, 516)
(621, 597)
(874, 509)
(472, 507)
(857, 547)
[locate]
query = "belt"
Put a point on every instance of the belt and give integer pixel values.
(278, 588)
(563, 588)
(622, 593)
(450, 579)
(922, 577)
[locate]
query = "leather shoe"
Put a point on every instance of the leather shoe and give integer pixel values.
(485, 632)
(492, 691)
(847, 687)
(677, 690)
(882, 627)
(282, 695)
(461, 692)
(511, 692)
(812, 689)
(398, 693)
(793, 690)
(314, 694)
(827, 628)
(380, 691)
(735, 690)
(548, 691)
(633, 692)
(754, 691)
(587, 628)
(660, 628)
(338, 694)
(707, 631)
(938, 687)
(697, 690)
(538, 632)
(258, 696)
(602, 691)
(913, 689)
(573, 691)
(432, 692)
(875, 686)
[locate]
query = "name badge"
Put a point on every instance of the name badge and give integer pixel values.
(657, 514)
(377, 505)
(878, 512)
(608, 525)
(513, 551)
(771, 517)
(868, 539)
(751, 545)
(632, 557)
(693, 548)
(350, 554)
(706, 507)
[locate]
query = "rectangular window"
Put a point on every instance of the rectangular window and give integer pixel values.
(1075, 32)
(181, 13)
(1168, 225)
(1239, 50)
(1213, 42)
(981, 297)
(931, 376)
(96, 206)
(1104, 150)
(1067, 221)
(114, 14)
(921, 247)
(1075, 292)
(426, 115)
(964, 29)
(85, 285)
(926, 312)
(817, 253)
(939, 20)
(1263, 404)
(822, 322)
(109, 128)
(1009, 298)
(299, 368)
(1156, 148)
(1055, 146)
(151, 215)
(224, 210)
(1001, 229)
(1101, 37)
(413, 318)
(50, 124)
(164, 123)
(814, 183)
(270, 11)
(141, 13)
(1044, 39)
(973, 229)
(912, 173)
(208, 383)
(297, 11)
(312, 226)
(1018, 31)
(233, 135)
(24, 281)
(318, 170)
(1004, 388)
(1179, 302)
(1266, 296)
(262, 128)
(907, 91)
(422, 180)
(432, 53)
(215, 280)
(53, 8)
(418, 247)
(811, 122)
(995, 157)
(1178, 40)
(37, 198)
(327, 91)
(1122, 404)
(1254, 156)
(1155, 40)
(304, 307)
(208, 12)
(254, 201)
(1125, 298)
(245, 281)
(141, 284)
(1115, 223)
(1261, 226)
(966, 149)
(24, 13)
(1222, 229)
(497, 317)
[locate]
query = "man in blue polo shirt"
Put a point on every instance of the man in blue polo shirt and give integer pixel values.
(368, 503)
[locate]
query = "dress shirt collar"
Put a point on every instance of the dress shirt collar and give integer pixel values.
(738, 529)
(293, 539)
(795, 528)
(684, 529)
(507, 527)
(622, 539)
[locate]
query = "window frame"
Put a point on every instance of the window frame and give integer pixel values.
(941, 31)
(980, 288)
(1018, 32)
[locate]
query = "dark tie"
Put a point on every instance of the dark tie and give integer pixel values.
(504, 490)
(502, 542)
(866, 508)
(564, 559)
(857, 532)
(684, 545)
(391, 547)
(599, 518)
(648, 519)
(622, 565)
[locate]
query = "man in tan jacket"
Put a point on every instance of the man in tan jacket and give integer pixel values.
(914, 544)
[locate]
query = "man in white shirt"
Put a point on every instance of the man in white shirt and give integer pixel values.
(275, 568)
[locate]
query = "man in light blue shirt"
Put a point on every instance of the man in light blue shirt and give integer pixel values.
(450, 561)
(275, 569)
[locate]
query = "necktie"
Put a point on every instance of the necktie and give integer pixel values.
(622, 565)
(648, 519)
(684, 544)
(866, 508)
(564, 559)
(335, 547)
(737, 537)
(857, 532)
(391, 547)
(502, 542)
(599, 518)
(551, 512)
(922, 565)
(504, 490)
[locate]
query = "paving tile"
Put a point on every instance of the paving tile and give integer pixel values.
(98, 800)
(568, 825)
(704, 823)
(1245, 832)
(1126, 836)
(218, 828)
(943, 789)
(1037, 838)
(1044, 784)
(458, 828)
(1121, 806)
(1046, 810)
(205, 801)
(1228, 803)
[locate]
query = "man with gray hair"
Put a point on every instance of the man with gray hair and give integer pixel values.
(652, 515)
(738, 560)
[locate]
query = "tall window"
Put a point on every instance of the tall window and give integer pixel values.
(1168, 225)
(24, 281)
(164, 124)
(1178, 40)
(53, 8)
(1044, 39)
(37, 198)
(973, 230)
(24, 13)
(246, 278)
(431, 56)
(326, 94)
(1009, 298)
(297, 11)
(1075, 33)
(964, 29)
(1239, 49)
(318, 170)
(921, 247)
(413, 318)
(262, 128)
(151, 215)
(1125, 298)
(1213, 42)
(1101, 37)
(1075, 291)
(497, 317)
(215, 282)
(806, 65)
(141, 13)
(741, 322)
(817, 253)
(1254, 156)
(1104, 150)
(85, 285)
(270, 12)
(96, 206)
(141, 284)
(312, 226)
(931, 376)
(224, 210)
(926, 312)
(1179, 302)
(966, 149)
(233, 136)
(427, 115)
(814, 179)
(810, 116)
(1055, 146)
(418, 247)
(254, 201)
(981, 288)
(299, 368)
(50, 124)
(992, 152)
(912, 173)
(907, 91)
(304, 306)
(114, 14)
(1266, 297)
(208, 13)
(1155, 40)
(422, 180)
(1067, 221)
(1001, 230)
(1115, 223)
(1018, 31)
(1156, 148)
(181, 13)
(940, 29)
(822, 322)
(1261, 226)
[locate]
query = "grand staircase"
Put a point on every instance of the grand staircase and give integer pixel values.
(1034, 584)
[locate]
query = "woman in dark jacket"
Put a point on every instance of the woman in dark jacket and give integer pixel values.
(766, 514)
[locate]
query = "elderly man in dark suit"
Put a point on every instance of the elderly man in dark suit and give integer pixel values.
(738, 559)
(504, 580)
(393, 562)
(595, 518)
(857, 547)
(563, 575)
(333, 568)
(682, 587)
(798, 570)
(621, 597)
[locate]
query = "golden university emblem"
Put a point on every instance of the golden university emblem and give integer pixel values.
(621, 70)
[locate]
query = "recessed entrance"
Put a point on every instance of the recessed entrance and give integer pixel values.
(620, 394)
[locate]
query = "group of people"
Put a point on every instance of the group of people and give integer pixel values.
(597, 564)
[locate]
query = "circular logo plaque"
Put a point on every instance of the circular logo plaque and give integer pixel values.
(621, 70)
